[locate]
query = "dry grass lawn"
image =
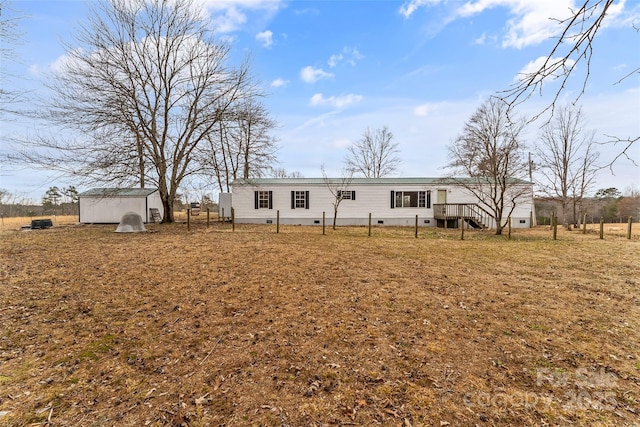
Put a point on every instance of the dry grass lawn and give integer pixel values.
(253, 328)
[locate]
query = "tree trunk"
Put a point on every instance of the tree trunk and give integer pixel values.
(140, 160)
(167, 198)
(167, 207)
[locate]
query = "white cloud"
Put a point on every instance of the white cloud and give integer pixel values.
(231, 15)
(229, 20)
(341, 143)
(620, 67)
(531, 21)
(62, 63)
(265, 37)
(279, 82)
(354, 55)
(348, 54)
(306, 11)
(424, 110)
(34, 70)
(334, 101)
(334, 59)
(310, 74)
(618, 15)
(411, 6)
(481, 39)
(485, 38)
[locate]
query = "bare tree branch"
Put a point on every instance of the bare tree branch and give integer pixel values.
(241, 147)
(338, 189)
(626, 143)
(570, 57)
(143, 88)
(490, 153)
(566, 160)
(9, 37)
(573, 47)
(375, 155)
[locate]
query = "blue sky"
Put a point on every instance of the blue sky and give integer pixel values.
(334, 68)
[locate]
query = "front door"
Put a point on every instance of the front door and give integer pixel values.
(442, 197)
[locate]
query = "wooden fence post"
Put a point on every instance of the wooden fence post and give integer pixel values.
(509, 229)
(584, 224)
(601, 228)
(554, 225)
(369, 224)
(222, 218)
(416, 226)
(208, 213)
(233, 219)
(629, 229)
(461, 228)
(278, 221)
(324, 223)
(188, 219)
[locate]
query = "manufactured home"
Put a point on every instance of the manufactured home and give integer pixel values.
(108, 205)
(443, 202)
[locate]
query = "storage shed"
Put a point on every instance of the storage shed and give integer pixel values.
(108, 205)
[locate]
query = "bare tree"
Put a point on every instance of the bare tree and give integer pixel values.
(375, 155)
(631, 190)
(490, 152)
(338, 187)
(9, 37)
(629, 205)
(257, 146)
(571, 57)
(282, 173)
(241, 147)
(12, 204)
(586, 179)
(566, 160)
(142, 90)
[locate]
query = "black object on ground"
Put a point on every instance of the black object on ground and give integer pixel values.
(41, 223)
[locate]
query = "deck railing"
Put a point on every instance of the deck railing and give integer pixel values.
(466, 211)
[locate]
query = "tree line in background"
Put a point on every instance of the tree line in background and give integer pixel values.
(55, 201)
(607, 203)
(150, 96)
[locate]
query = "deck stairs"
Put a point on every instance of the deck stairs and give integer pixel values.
(471, 213)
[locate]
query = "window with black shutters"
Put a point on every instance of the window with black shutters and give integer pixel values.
(346, 195)
(263, 199)
(299, 200)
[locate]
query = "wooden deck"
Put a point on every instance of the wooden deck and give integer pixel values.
(470, 213)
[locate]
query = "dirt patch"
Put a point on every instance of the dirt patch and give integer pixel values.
(214, 327)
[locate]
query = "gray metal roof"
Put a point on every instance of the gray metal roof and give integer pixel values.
(366, 181)
(118, 192)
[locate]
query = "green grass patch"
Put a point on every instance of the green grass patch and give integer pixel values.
(539, 327)
(103, 345)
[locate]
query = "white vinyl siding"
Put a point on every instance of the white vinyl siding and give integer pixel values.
(314, 198)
